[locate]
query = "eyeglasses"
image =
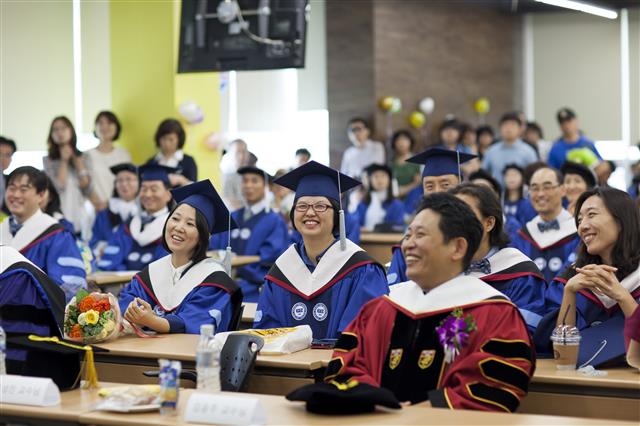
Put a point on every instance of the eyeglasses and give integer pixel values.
(318, 207)
(544, 188)
(356, 129)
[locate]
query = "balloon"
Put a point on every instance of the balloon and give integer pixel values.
(396, 106)
(426, 105)
(386, 103)
(191, 112)
(417, 119)
(213, 141)
(583, 156)
(482, 106)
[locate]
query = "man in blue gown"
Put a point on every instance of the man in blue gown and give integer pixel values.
(38, 236)
(550, 238)
(441, 172)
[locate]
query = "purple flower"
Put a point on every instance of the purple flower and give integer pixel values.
(453, 333)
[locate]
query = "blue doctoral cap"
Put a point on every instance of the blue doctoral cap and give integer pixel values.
(156, 172)
(439, 162)
(603, 342)
(203, 197)
(315, 179)
(129, 167)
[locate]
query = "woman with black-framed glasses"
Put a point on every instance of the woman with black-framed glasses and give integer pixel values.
(324, 280)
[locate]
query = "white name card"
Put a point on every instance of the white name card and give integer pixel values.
(224, 409)
(26, 390)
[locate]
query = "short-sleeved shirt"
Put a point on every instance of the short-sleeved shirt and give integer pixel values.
(405, 172)
(501, 154)
(560, 149)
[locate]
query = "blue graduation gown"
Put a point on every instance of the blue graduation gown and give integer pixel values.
(412, 199)
(48, 245)
(397, 272)
(124, 253)
(526, 212)
(204, 295)
(105, 225)
(589, 309)
(344, 282)
(549, 250)
(517, 277)
(30, 303)
(263, 234)
(394, 213)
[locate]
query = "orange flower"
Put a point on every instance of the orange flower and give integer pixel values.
(86, 304)
(76, 332)
(102, 305)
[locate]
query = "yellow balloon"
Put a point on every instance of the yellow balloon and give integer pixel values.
(386, 103)
(417, 119)
(482, 106)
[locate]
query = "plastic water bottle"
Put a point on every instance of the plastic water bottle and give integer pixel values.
(3, 351)
(208, 361)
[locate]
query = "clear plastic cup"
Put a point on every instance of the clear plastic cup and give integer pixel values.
(566, 346)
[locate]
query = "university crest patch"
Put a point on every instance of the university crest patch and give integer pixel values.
(426, 358)
(394, 358)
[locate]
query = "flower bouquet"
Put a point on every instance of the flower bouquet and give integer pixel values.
(92, 317)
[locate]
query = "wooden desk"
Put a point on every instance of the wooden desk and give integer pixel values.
(379, 245)
(129, 356)
(76, 405)
(569, 393)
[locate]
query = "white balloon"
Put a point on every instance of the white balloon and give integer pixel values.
(191, 112)
(427, 105)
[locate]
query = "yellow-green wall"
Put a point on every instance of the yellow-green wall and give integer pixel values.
(146, 88)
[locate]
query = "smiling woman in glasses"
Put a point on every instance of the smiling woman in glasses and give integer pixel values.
(319, 281)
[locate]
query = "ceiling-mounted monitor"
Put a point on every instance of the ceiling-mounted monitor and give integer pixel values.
(241, 35)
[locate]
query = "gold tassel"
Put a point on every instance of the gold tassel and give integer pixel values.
(88, 365)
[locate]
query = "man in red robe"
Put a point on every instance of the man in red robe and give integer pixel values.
(444, 337)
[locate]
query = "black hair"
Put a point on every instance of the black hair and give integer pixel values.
(626, 252)
(336, 216)
(532, 125)
(53, 206)
(115, 191)
(511, 116)
(484, 129)
(402, 133)
(489, 205)
(303, 151)
(390, 197)
(456, 220)
(200, 251)
(111, 117)
(483, 174)
(358, 120)
(168, 126)
(53, 150)
(36, 178)
(8, 142)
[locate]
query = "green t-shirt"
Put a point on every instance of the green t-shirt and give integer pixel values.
(405, 172)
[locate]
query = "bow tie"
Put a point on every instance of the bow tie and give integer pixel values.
(546, 226)
(14, 226)
(145, 219)
(482, 265)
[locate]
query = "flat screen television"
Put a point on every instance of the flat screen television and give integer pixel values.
(226, 35)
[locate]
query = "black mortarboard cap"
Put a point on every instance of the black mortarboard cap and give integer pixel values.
(343, 398)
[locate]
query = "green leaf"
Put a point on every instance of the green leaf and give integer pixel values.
(81, 294)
